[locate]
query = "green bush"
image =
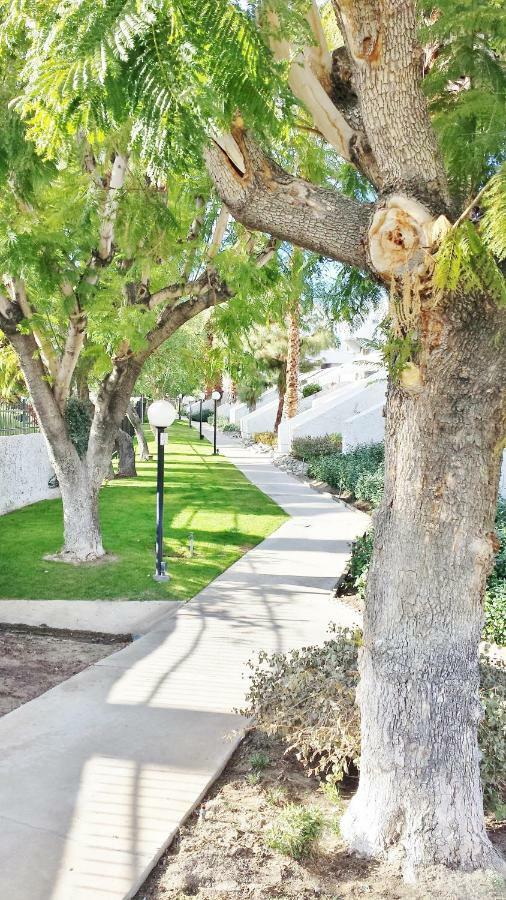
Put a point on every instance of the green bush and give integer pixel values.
(295, 830)
(78, 420)
(309, 389)
(229, 426)
(343, 471)
(370, 485)
(266, 437)
(307, 448)
(206, 414)
(307, 697)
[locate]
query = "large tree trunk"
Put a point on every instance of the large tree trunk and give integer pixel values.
(292, 364)
(420, 789)
(281, 396)
(82, 537)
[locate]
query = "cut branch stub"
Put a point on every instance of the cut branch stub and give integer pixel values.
(400, 237)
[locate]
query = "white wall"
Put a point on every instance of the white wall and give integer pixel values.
(328, 414)
(368, 427)
(24, 471)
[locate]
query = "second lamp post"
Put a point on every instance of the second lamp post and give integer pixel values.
(201, 398)
(161, 414)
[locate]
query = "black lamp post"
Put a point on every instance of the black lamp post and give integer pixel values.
(179, 399)
(215, 396)
(161, 414)
(202, 397)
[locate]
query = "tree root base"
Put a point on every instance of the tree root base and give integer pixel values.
(72, 560)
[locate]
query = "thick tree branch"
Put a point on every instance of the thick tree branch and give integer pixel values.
(266, 198)
(73, 346)
(47, 353)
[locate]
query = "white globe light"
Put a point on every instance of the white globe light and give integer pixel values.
(161, 414)
(189, 399)
(216, 395)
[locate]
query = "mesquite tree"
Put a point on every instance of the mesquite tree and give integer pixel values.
(429, 226)
(424, 238)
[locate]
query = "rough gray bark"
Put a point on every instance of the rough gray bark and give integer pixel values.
(126, 455)
(419, 777)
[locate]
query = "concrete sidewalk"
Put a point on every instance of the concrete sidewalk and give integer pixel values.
(97, 774)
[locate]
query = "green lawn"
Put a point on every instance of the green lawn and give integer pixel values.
(205, 495)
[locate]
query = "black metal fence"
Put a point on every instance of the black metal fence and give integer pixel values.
(17, 418)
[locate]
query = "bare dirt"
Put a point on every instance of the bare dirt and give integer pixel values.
(34, 660)
(221, 851)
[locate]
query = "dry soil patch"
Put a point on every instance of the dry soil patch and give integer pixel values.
(32, 660)
(221, 851)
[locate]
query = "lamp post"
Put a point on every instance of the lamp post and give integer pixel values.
(179, 399)
(202, 397)
(161, 414)
(215, 396)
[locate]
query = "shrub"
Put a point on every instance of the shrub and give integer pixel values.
(370, 486)
(295, 830)
(307, 448)
(78, 420)
(206, 414)
(495, 610)
(343, 471)
(307, 697)
(229, 426)
(309, 389)
(266, 437)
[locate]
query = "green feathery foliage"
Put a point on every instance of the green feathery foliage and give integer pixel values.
(465, 81)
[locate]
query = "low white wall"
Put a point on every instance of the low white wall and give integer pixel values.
(368, 427)
(24, 471)
(328, 414)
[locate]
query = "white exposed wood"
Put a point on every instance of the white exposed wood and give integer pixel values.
(220, 227)
(108, 216)
(230, 148)
(307, 87)
(73, 346)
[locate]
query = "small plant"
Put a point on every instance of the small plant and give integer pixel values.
(259, 761)
(295, 830)
(307, 448)
(253, 778)
(276, 796)
(229, 426)
(266, 437)
(309, 389)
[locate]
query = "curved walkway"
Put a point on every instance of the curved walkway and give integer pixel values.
(97, 774)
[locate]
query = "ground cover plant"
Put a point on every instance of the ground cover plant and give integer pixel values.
(309, 389)
(204, 495)
(355, 473)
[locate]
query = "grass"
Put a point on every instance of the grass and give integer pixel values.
(295, 831)
(204, 494)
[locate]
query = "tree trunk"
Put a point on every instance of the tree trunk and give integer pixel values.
(292, 364)
(279, 412)
(126, 455)
(142, 444)
(420, 790)
(82, 538)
